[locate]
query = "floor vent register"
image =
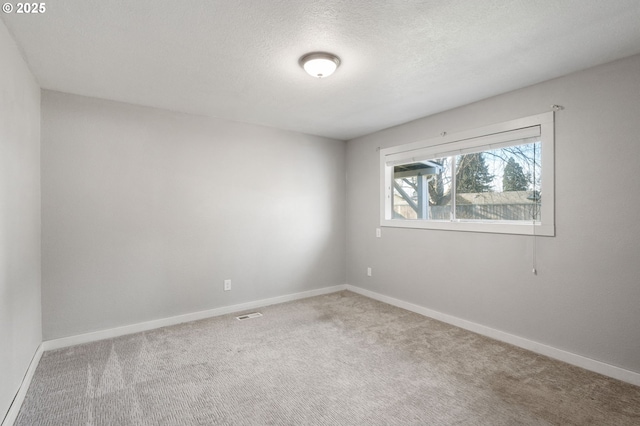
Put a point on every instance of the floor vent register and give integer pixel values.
(249, 316)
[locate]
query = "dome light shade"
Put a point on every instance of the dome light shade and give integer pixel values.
(319, 64)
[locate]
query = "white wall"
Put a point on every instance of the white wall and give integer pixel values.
(585, 298)
(20, 324)
(145, 212)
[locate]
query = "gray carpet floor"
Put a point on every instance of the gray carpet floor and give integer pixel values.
(338, 359)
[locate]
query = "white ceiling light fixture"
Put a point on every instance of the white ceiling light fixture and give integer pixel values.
(319, 64)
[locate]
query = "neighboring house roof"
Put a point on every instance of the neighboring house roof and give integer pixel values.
(419, 168)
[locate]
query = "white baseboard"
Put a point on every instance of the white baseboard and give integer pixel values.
(540, 348)
(14, 409)
(164, 322)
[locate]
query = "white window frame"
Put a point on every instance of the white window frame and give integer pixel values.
(489, 137)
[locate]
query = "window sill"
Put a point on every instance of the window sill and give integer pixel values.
(496, 227)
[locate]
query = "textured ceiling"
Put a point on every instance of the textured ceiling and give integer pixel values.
(238, 60)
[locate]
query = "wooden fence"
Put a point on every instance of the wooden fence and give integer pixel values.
(524, 212)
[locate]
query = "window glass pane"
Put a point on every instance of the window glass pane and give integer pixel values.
(499, 184)
(482, 180)
(422, 190)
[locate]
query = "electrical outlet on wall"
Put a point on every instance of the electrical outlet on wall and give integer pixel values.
(368, 272)
(227, 285)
